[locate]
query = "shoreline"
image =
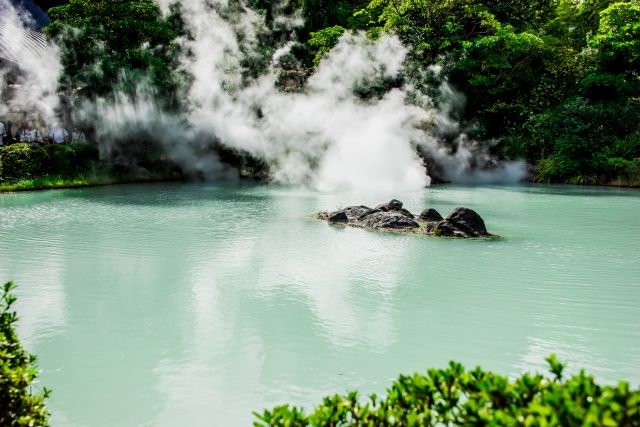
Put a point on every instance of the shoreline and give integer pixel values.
(61, 183)
(58, 183)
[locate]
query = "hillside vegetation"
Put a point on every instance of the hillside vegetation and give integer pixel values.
(553, 82)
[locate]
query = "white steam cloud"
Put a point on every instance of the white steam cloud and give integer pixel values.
(34, 63)
(326, 136)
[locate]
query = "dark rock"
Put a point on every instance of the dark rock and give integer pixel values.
(388, 220)
(393, 205)
(366, 214)
(445, 229)
(352, 213)
(355, 212)
(430, 215)
(462, 222)
(468, 221)
(406, 213)
(338, 217)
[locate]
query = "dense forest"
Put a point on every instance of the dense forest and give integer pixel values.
(553, 82)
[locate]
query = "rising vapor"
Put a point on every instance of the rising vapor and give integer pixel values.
(326, 137)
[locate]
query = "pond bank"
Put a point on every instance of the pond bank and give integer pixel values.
(26, 167)
(60, 182)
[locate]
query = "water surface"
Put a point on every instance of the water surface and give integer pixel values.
(174, 304)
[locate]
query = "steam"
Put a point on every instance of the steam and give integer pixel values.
(462, 160)
(329, 138)
(326, 136)
(38, 63)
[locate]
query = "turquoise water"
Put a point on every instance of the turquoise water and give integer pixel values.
(174, 304)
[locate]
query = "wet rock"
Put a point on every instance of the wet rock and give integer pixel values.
(406, 213)
(462, 222)
(468, 221)
(393, 220)
(366, 214)
(338, 217)
(445, 229)
(430, 214)
(393, 205)
(355, 212)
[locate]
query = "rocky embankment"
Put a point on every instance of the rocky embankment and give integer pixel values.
(462, 222)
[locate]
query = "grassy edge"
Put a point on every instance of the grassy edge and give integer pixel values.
(59, 182)
(79, 181)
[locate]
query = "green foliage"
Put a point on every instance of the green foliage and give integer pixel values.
(522, 14)
(577, 21)
(108, 41)
(432, 28)
(455, 396)
(19, 405)
(554, 82)
(579, 137)
(617, 69)
(319, 14)
(52, 182)
(20, 161)
(618, 38)
(324, 40)
(497, 73)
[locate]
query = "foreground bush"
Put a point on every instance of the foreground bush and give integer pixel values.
(23, 161)
(19, 406)
(457, 397)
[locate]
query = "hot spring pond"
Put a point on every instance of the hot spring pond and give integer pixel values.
(175, 304)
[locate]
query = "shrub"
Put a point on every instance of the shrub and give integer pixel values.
(19, 406)
(70, 159)
(555, 169)
(22, 161)
(457, 397)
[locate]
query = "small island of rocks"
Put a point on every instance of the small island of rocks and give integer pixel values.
(392, 216)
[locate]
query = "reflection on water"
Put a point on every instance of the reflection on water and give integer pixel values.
(192, 303)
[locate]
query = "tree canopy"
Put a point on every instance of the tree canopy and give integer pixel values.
(115, 43)
(556, 83)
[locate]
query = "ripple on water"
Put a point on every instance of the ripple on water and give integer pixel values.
(203, 299)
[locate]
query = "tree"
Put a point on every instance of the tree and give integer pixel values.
(498, 72)
(432, 29)
(522, 14)
(108, 41)
(617, 42)
(324, 40)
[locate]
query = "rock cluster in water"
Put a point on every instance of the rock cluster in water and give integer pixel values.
(462, 222)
